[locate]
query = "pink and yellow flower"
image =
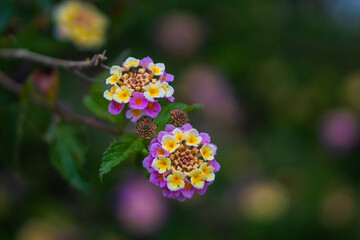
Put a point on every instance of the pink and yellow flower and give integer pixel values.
(179, 162)
(134, 114)
(179, 135)
(140, 83)
(167, 77)
(192, 137)
(161, 164)
(122, 94)
(208, 151)
(138, 101)
(197, 178)
(156, 150)
(153, 91)
(175, 181)
(158, 68)
(115, 108)
(153, 109)
(109, 94)
(169, 143)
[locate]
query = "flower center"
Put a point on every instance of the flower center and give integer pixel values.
(124, 94)
(156, 70)
(160, 177)
(185, 159)
(192, 139)
(138, 101)
(161, 151)
(188, 186)
(206, 152)
(136, 79)
(154, 91)
(151, 107)
(136, 112)
(170, 144)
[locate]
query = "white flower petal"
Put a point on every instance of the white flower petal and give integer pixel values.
(107, 95)
(116, 69)
(148, 97)
(161, 66)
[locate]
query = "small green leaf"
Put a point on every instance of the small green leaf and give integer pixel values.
(67, 153)
(98, 105)
(118, 151)
(164, 116)
(193, 108)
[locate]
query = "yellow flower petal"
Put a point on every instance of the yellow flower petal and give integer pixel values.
(131, 62)
(208, 151)
(175, 181)
(178, 134)
(123, 94)
(197, 179)
(208, 171)
(193, 138)
(169, 143)
(161, 164)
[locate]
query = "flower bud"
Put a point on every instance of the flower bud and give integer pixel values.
(179, 117)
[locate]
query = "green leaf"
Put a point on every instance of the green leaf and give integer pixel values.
(118, 151)
(67, 153)
(98, 105)
(164, 116)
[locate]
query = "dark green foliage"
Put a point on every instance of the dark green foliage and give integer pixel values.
(118, 151)
(98, 105)
(67, 152)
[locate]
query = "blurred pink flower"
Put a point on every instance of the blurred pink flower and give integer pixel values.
(214, 92)
(140, 208)
(340, 131)
(179, 34)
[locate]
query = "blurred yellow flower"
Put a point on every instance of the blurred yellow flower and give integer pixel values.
(80, 23)
(263, 201)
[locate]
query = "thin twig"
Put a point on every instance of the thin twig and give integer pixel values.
(83, 75)
(104, 66)
(72, 66)
(96, 60)
(59, 110)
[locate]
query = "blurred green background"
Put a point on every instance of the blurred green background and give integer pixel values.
(280, 84)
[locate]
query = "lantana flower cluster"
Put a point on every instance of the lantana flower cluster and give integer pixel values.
(81, 23)
(138, 83)
(182, 162)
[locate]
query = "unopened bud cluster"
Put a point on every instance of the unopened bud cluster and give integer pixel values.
(146, 128)
(179, 117)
